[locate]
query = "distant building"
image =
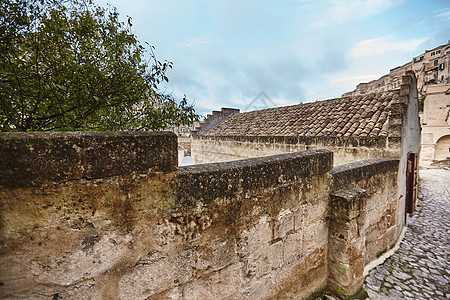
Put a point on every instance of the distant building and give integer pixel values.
(435, 123)
(184, 133)
(184, 130)
(430, 68)
(433, 84)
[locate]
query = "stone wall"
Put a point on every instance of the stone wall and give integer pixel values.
(214, 119)
(79, 211)
(259, 226)
(366, 218)
(435, 124)
(207, 149)
(108, 216)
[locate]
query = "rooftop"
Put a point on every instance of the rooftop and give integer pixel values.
(361, 115)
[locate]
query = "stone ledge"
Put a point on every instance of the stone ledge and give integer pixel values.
(344, 175)
(340, 141)
(209, 181)
(30, 159)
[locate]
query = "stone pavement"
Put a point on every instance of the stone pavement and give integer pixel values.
(420, 268)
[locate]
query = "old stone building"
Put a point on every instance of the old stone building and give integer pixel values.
(430, 68)
(354, 128)
(435, 123)
(433, 83)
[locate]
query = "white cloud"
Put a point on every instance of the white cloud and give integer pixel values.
(343, 11)
(444, 16)
(198, 42)
(440, 16)
(382, 45)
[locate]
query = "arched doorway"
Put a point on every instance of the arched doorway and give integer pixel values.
(442, 150)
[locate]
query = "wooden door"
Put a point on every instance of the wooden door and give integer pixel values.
(411, 183)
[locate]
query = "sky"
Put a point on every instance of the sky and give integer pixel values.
(226, 52)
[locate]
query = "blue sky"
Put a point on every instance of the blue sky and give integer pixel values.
(225, 52)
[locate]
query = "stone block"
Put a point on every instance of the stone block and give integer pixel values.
(256, 237)
(316, 258)
(215, 254)
(372, 233)
(283, 224)
(315, 211)
(299, 217)
(264, 262)
(82, 259)
(289, 280)
(345, 230)
(315, 235)
(293, 247)
(373, 249)
(30, 159)
(390, 237)
(152, 276)
(223, 284)
(346, 277)
(259, 288)
(345, 251)
(348, 204)
(316, 278)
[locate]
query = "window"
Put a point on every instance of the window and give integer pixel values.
(432, 53)
(436, 62)
(442, 78)
(442, 66)
(437, 52)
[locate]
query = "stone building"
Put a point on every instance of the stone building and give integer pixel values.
(430, 68)
(354, 128)
(184, 130)
(435, 123)
(433, 83)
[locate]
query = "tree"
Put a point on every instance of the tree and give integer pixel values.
(72, 65)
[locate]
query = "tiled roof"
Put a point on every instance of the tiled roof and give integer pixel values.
(362, 115)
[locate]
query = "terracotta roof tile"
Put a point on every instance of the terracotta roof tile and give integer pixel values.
(366, 115)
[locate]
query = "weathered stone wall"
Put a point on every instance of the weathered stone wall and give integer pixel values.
(207, 149)
(366, 218)
(260, 229)
(214, 119)
(405, 115)
(76, 210)
(107, 216)
(435, 125)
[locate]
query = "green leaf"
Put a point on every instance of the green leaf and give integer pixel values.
(83, 70)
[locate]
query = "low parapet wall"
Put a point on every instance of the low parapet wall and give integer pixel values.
(260, 228)
(29, 159)
(75, 210)
(207, 149)
(366, 218)
(263, 225)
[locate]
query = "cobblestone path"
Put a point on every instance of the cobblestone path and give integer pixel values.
(420, 268)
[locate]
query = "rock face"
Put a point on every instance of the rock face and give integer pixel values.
(109, 216)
